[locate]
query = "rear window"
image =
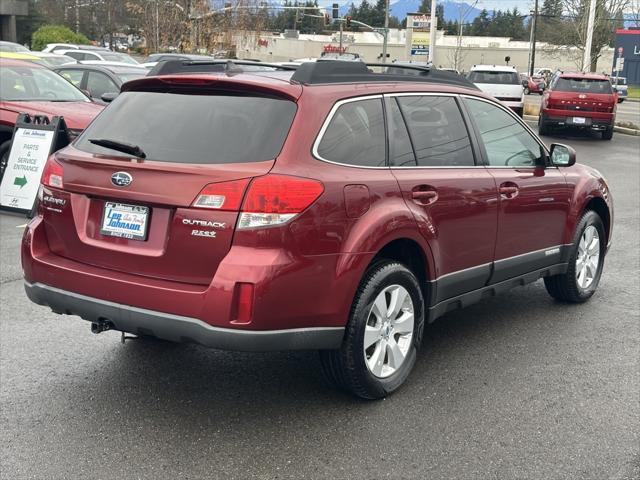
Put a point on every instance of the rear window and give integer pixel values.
(204, 129)
(583, 85)
(493, 77)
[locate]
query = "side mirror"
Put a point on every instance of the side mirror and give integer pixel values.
(562, 155)
(109, 97)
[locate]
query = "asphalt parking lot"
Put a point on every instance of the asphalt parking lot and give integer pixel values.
(518, 386)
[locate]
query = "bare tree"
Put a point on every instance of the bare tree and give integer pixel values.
(570, 36)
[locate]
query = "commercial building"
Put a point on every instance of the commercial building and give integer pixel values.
(9, 10)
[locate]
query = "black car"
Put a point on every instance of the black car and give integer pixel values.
(102, 79)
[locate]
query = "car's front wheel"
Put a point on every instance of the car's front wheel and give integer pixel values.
(586, 260)
(383, 333)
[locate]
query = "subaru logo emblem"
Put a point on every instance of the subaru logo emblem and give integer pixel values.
(121, 179)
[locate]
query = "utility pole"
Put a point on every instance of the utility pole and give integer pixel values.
(586, 60)
(386, 31)
(532, 39)
(77, 16)
(157, 28)
(341, 25)
(432, 32)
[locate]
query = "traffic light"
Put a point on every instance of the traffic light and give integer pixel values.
(348, 22)
(327, 20)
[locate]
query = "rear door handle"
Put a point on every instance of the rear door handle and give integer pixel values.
(424, 195)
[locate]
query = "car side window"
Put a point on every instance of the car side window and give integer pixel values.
(77, 55)
(437, 131)
(99, 84)
(507, 143)
(356, 135)
(400, 147)
(73, 76)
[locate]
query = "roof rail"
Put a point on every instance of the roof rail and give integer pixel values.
(176, 67)
(313, 73)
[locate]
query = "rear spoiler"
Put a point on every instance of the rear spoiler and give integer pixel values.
(212, 83)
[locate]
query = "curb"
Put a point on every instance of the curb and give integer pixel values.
(625, 130)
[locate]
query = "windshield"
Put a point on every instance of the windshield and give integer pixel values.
(493, 77)
(583, 85)
(204, 129)
(618, 80)
(118, 57)
(36, 84)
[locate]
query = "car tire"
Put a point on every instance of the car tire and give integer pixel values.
(543, 126)
(5, 149)
(607, 134)
(382, 367)
(568, 287)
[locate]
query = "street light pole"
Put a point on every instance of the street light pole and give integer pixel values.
(386, 31)
(432, 32)
(586, 60)
(532, 39)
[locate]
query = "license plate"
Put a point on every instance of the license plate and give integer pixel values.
(125, 221)
(579, 120)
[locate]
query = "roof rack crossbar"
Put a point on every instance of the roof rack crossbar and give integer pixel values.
(230, 66)
(335, 71)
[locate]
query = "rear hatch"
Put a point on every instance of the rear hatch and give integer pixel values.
(172, 214)
(583, 95)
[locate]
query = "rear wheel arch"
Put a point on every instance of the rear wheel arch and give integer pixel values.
(409, 253)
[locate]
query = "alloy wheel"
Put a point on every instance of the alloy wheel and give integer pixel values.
(588, 258)
(389, 331)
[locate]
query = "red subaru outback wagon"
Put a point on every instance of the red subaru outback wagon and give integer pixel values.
(336, 208)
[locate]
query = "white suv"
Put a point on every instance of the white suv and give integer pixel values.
(502, 82)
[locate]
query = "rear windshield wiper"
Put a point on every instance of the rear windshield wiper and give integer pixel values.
(123, 147)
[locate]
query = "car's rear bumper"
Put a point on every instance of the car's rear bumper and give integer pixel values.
(177, 328)
(290, 291)
(565, 118)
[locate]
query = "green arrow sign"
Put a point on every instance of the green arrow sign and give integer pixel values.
(21, 181)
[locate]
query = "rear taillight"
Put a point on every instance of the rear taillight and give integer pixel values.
(276, 199)
(225, 196)
(52, 174)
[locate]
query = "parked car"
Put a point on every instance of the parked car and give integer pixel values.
(53, 60)
(584, 101)
(13, 47)
(330, 208)
(55, 47)
(502, 82)
(105, 56)
(533, 84)
(45, 59)
(620, 85)
(99, 80)
(36, 90)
